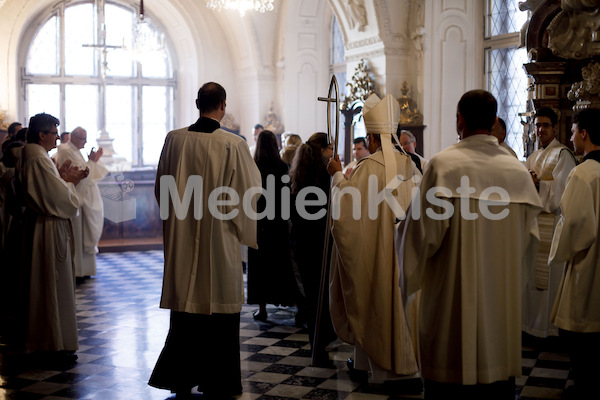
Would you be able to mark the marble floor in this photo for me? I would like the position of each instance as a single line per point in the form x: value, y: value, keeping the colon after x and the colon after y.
x: 122, y: 331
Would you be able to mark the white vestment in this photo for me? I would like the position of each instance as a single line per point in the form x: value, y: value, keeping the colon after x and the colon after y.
x: 468, y: 261
x: 203, y: 264
x: 365, y: 299
x: 51, y: 202
x: 552, y: 165
x: 424, y: 162
x: 87, y: 225
x: 576, y: 241
x: 510, y: 150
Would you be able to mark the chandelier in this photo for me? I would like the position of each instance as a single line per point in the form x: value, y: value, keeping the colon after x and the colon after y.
x: 146, y: 40
x: 240, y: 5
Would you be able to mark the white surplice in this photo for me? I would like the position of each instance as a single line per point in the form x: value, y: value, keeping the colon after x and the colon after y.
x: 576, y: 242
x: 510, y: 150
x: 51, y: 202
x: 468, y: 265
x: 552, y: 165
x: 203, y: 264
x: 88, y: 223
x: 365, y: 300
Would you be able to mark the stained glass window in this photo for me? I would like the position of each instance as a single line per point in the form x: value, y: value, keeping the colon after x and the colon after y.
x: 137, y: 102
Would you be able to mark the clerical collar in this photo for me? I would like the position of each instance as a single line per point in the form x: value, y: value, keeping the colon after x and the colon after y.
x: 544, y: 147
x: 592, y: 155
x: 204, y: 124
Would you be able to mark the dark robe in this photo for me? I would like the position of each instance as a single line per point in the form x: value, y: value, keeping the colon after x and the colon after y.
x: 309, y: 240
x: 270, y: 274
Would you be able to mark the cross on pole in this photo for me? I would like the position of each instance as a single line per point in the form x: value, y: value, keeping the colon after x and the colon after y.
x: 316, y: 344
x: 333, y: 87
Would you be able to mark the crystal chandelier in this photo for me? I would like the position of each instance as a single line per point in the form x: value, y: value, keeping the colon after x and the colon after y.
x: 240, y: 5
x: 147, y: 42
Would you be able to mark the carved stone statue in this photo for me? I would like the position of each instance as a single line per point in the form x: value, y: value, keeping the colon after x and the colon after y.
x: 357, y: 14
x: 418, y: 38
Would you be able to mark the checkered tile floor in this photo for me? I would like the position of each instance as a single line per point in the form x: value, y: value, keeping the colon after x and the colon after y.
x: 122, y: 331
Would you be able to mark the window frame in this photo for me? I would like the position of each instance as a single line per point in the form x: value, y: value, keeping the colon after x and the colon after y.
x: 496, y: 42
x: 136, y: 81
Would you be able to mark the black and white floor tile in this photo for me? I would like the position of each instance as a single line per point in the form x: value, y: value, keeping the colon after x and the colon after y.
x: 122, y: 331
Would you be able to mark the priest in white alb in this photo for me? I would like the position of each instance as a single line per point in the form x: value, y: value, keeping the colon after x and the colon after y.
x: 576, y: 241
x: 466, y: 243
x: 51, y: 200
x: 88, y: 223
x: 549, y: 167
x: 365, y: 300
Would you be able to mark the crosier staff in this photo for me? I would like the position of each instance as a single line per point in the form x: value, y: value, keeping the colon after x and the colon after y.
x: 333, y: 87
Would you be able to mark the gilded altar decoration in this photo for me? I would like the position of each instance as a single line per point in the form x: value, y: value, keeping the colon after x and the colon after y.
x: 3, y: 124
x: 229, y: 124
x: 360, y: 85
x: 586, y: 93
x: 409, y: 112
x: 574, y: 33
x: 272, y: 122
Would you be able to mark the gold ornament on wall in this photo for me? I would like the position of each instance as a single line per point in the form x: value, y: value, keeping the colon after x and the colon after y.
x: 272, y: 122
x: 3, y: 124
x: 586, y: 93
x: 360, y: 85
x: 409, y: 112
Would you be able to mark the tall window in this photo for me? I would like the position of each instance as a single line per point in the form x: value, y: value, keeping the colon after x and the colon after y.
x: 65, y: 75
x: 506, y: 78
x: 337, y: 67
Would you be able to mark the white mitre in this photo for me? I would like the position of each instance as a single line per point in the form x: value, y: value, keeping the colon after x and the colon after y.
x: 381, y: 117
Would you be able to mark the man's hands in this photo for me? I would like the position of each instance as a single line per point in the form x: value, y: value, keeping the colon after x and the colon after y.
x: 71, y: 173
x: 334, y: 165
x: 536, y: 180
x: 95, y: 155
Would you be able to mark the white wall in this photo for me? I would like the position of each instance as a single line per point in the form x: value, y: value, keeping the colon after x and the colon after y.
x: 306, y: 60
x: 453, y: 64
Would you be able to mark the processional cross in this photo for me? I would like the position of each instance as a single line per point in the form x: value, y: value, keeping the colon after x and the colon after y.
x: 104, y: 139
x: 333, y: 87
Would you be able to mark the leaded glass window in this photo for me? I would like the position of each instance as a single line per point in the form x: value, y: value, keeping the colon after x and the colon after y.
x: 503, y: 17
x: 505, y: 77
x: 64, y: 76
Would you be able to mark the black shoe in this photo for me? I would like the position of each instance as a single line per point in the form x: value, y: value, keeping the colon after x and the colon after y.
x: 572, y: 393
x: 413, y: 386
x: 260, y: 316
x: 221, y: 396
x: 356, y: 375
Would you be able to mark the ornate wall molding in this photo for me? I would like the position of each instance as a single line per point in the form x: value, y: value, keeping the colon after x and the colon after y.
x: 368, y: 55
x: 363, y: 43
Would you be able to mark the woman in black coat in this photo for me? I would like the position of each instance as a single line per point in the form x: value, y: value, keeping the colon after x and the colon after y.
x: 271, y: 277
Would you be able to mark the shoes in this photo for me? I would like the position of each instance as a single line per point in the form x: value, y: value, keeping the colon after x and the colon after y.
x: 413, y: 386
x: 260, y: 316
x: 573, y: 393
x: 322, y: 360
x: 220, y: 396
x: 356, y: 374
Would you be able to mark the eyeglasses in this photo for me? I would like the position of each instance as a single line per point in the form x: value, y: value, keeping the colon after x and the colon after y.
x: 543, y: 125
